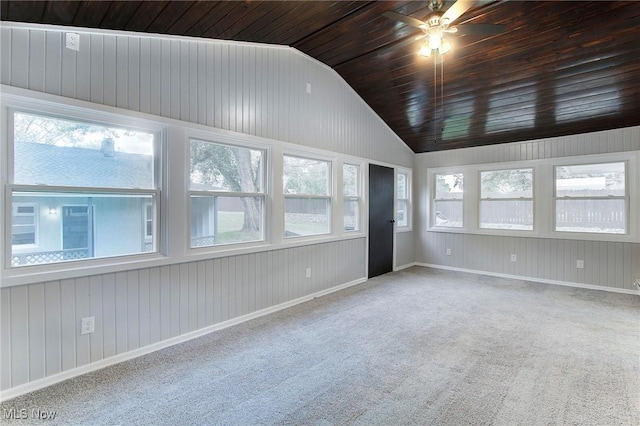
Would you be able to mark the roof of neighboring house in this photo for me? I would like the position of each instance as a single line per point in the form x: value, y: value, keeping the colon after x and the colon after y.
x: 37, y: 163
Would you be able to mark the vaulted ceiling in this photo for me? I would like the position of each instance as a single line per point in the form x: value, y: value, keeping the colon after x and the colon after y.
x: 559, y: 67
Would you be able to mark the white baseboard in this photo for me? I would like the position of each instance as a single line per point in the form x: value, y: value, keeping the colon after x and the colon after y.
x: 78, y: 371
x: 400, y: 268
x: 534, y: 279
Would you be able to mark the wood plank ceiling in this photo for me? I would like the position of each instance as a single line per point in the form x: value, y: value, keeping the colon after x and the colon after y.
x: 560, y: 67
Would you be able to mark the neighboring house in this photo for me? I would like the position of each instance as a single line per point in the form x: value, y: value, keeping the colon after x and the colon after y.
x: 68, y: 225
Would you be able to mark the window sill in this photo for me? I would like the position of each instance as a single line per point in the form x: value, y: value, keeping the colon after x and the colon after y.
x: 80, y: 268
x: 584, y: 236
x: 83, y: 268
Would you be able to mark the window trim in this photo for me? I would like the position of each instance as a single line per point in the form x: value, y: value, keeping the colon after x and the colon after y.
x: 67, y: 110
x: 330, y: 197
x: 544, y: 192
x: 408, y: 200
x: 213, y: 193
x: 532, y: 198
x: 434, y: 200
x: 626, y: 197
x: 358, y: 197
x: 171, y: 194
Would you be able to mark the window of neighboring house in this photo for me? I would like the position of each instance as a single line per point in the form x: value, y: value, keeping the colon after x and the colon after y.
x: 24, y: 225
x: 227, y: 192
x: 62, y: 162
x: 148, y: 226
x: 506, y: 199
x: 591, y: 198
x: 351, y: 196
x: 403, y: 205
x: 448, y: 200
x: 307, y: 196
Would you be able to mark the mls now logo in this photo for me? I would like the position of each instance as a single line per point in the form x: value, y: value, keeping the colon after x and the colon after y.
x: 23, y: 414
x: 14, y: 414
x: 37, y: 413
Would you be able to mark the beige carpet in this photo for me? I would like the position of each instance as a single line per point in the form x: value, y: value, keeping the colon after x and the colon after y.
x: 420, y: 346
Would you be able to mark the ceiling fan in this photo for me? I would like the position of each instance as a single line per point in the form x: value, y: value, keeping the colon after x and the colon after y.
x: 439, y: 24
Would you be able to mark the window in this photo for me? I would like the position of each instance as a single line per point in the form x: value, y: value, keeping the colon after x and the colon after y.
x: 23, y: 224
x: 88, y: 179
x: 307, y: 196
x: 351, y: 196
x: 148, y: 227
x: 506, y: 199
x: 591, y: 198
x: 587, y: 197
x: 227, y: 194
x: 403, y: 189
x: 448, y: 201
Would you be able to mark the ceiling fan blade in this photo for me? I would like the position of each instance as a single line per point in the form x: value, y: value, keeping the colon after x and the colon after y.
x: 480, y: 29
x: 457, y: 9
x: 409, y: 20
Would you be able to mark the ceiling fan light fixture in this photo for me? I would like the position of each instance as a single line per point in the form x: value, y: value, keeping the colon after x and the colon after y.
x: 445, y: 46
x: 425, y: 50
x: 435, y: 41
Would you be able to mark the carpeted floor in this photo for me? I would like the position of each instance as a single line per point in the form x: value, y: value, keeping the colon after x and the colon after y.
x: 420, y: 346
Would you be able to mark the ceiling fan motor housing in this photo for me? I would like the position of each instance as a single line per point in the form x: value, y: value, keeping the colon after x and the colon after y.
x: 435, y: 4
x: 434, y: 20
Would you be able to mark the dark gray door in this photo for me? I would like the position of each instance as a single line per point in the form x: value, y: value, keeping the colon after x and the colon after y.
x: 381, y: 220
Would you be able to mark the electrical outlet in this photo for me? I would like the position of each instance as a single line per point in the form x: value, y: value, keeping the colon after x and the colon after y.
x: 72, y: 41
x: 309, y: 88
x: 448, y: 252
x: 88, y: 325
x: 580, y: 264
x: 307, y: 273
x: 514, y: 258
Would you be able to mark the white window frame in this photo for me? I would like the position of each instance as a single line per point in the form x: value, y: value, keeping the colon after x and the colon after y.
x: 543, y: 197
x: 330, y: 197
x: 231, y: 194
x: 64, y: 110
x: 357, y: 197
x: 434, y: 200
x: 532, y: 198
x: 171, y: 227
x: 624, y: 197
x: 407, y: 200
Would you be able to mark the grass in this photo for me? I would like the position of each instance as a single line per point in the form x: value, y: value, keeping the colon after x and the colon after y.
x: 230, y: 228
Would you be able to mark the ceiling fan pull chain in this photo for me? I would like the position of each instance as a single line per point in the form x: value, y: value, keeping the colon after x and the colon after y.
x: 442, y: 96
x: 435, y: 101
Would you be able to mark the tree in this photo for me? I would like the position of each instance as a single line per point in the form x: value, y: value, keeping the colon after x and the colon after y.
x: 53, y: 131
x: 515, y: 182
x: 233, y: 169
x: 305, y: 176
x: 449, y: 186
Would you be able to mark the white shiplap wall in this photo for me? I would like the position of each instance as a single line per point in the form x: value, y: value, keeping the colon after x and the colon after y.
x: 40, y: 324
x: 405, y: 251
x: 606, y: 264
x: 247, y: 88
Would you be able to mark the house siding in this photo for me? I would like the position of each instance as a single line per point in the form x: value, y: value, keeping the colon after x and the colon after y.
x: 246, y: 88
x: 612, y: 265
